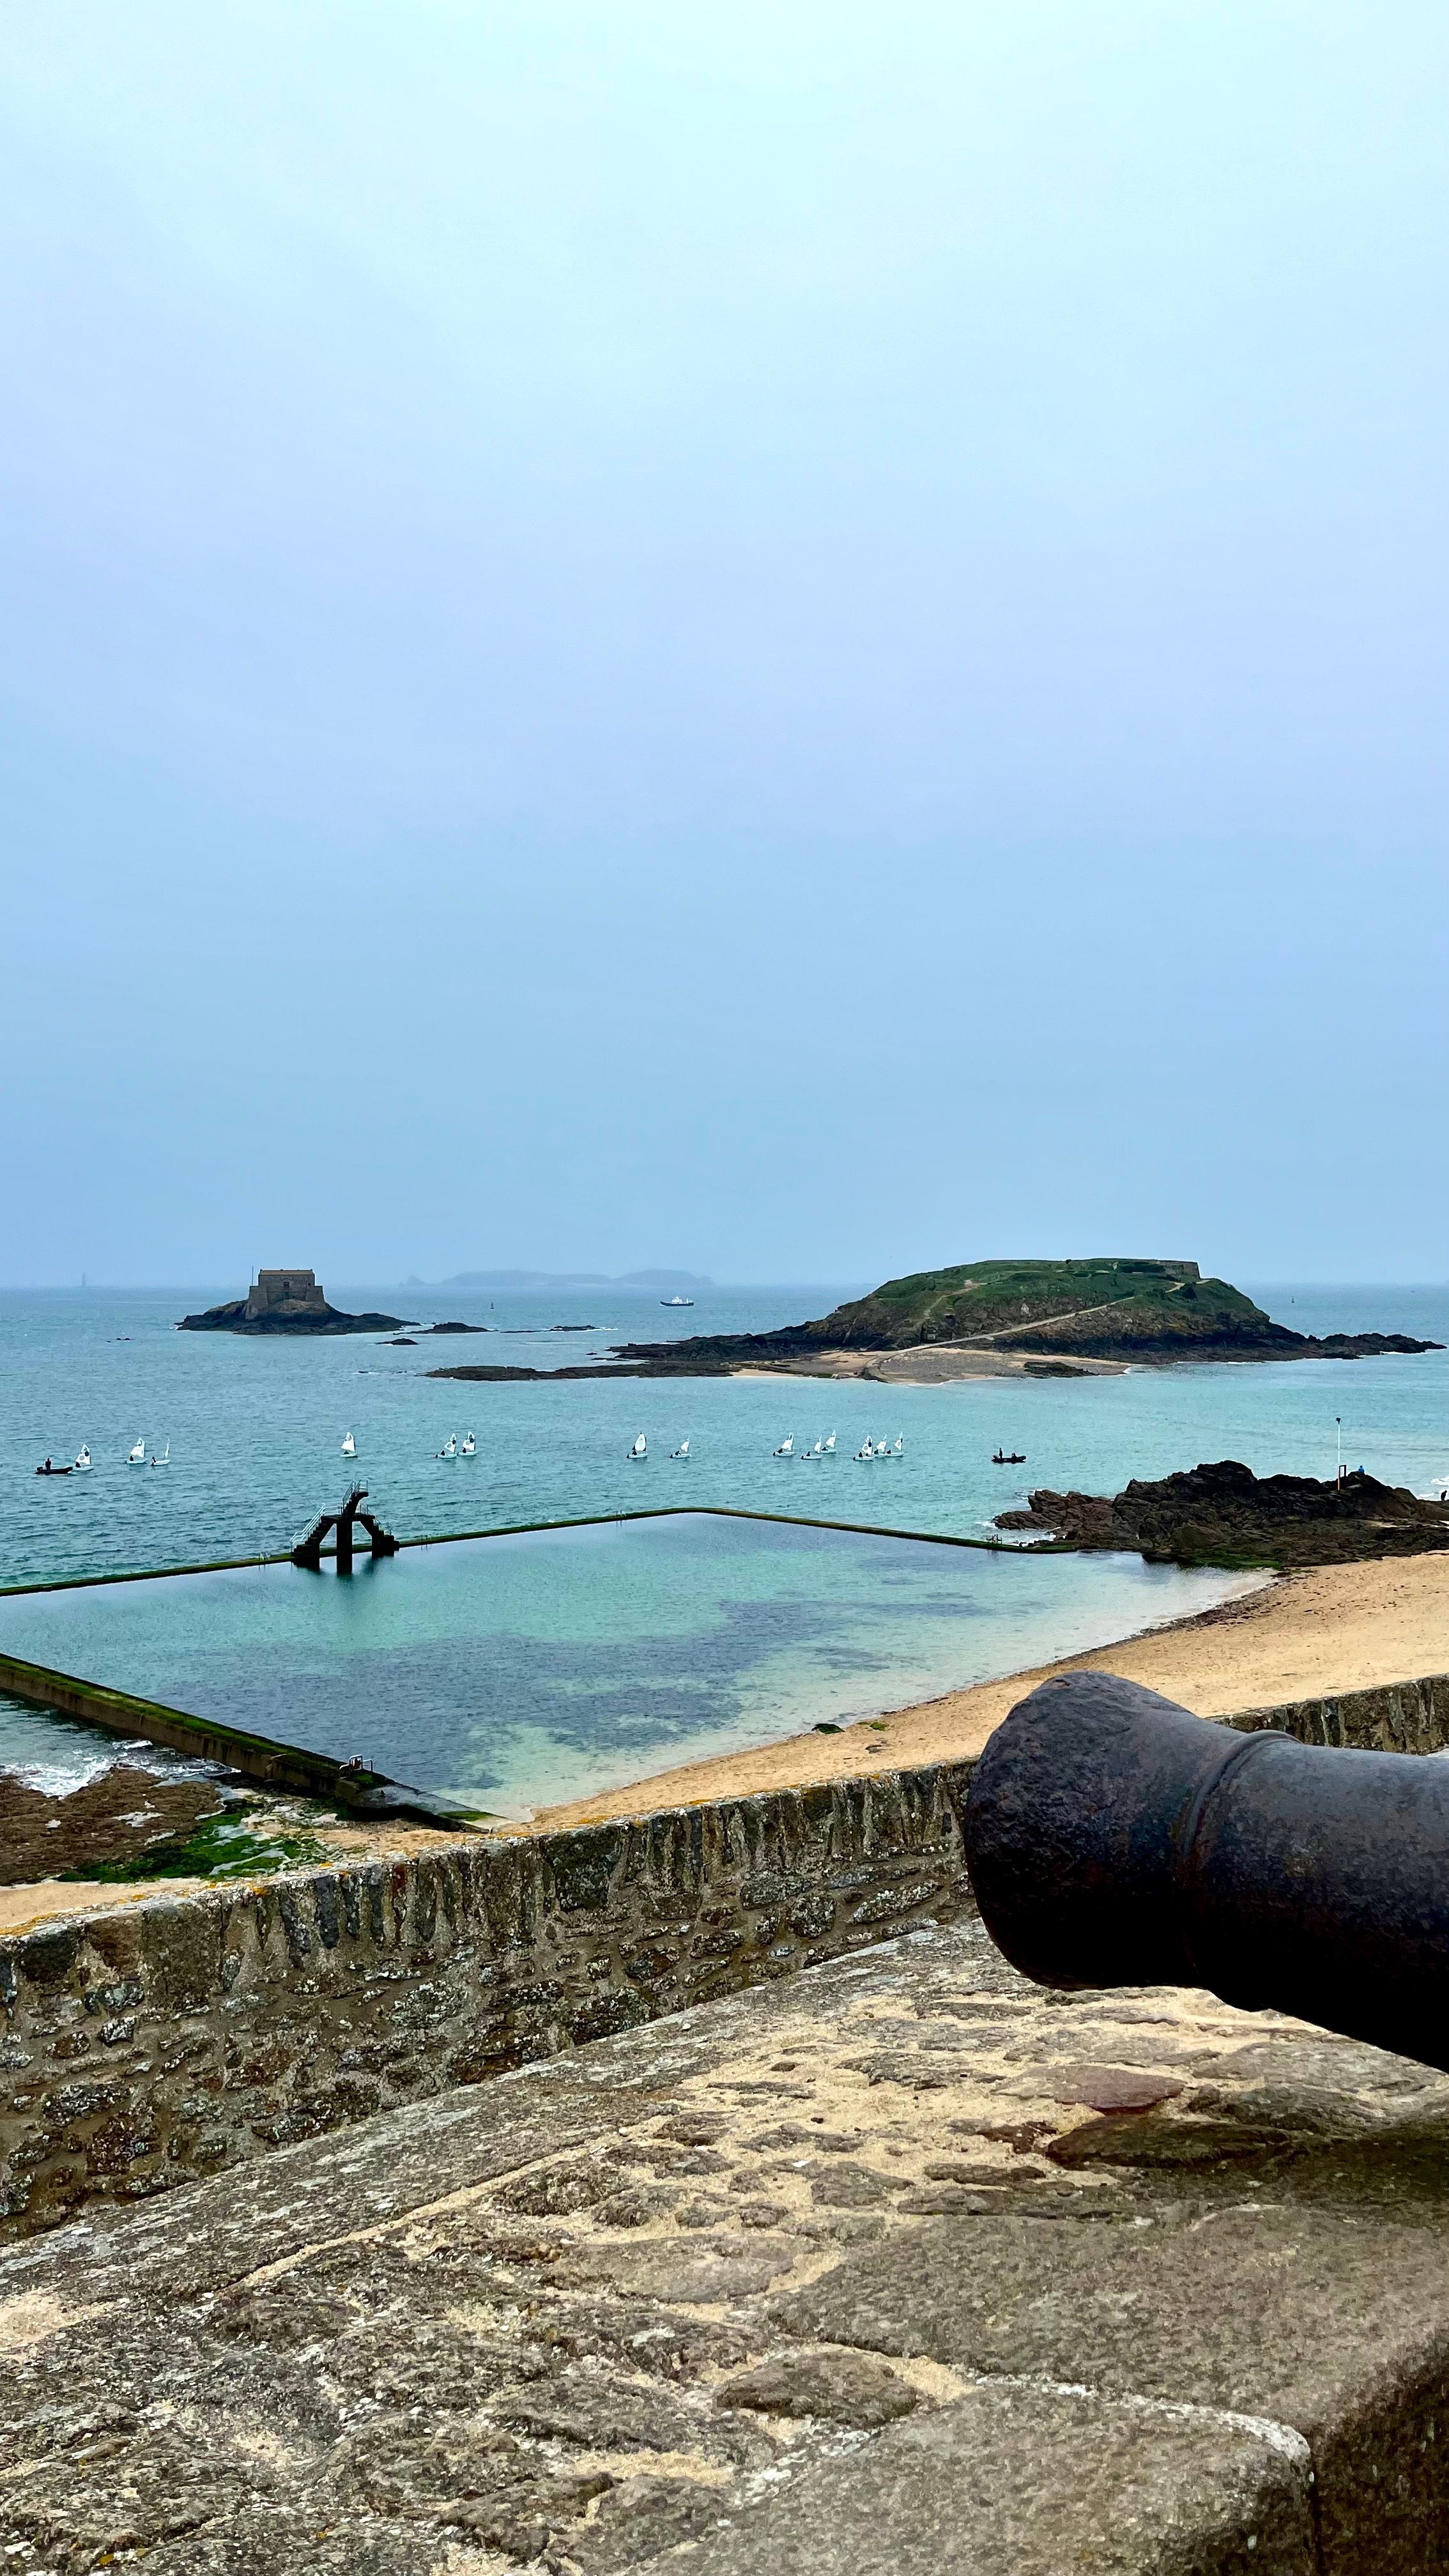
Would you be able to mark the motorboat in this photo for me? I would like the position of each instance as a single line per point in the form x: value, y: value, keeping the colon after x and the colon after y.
x: 470, y: 1446
x: 682, y: 1451
x: 48, y: 1470
x: 640, y: 1448
x: 349, y: 1446
x: 676, y: 1301
x: 786, y: 1448
x: 83, y: 1460
x: 1008, y: 1457
x: 136, y: 1457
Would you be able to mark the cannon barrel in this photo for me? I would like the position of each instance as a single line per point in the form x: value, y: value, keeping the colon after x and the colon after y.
x: 1115, y: 1839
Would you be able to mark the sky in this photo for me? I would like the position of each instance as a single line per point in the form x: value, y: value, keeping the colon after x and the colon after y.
x: 796, y: 641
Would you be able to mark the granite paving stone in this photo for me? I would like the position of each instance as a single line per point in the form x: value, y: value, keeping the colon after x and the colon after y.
x: 774, y: 2286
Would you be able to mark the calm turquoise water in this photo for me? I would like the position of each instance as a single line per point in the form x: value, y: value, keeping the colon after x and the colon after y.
x: 532, y: 1668
x: 255, y: 1430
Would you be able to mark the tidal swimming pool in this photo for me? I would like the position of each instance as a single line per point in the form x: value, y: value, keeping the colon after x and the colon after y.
x: 532, y: 1667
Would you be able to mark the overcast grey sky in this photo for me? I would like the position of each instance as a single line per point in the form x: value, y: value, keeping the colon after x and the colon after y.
x: 799, y: 640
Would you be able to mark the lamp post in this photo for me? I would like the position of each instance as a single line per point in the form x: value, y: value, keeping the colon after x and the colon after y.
x: 1338, y: 1479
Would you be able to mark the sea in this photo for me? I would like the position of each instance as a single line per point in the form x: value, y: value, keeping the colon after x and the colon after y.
x: 560, y: 1666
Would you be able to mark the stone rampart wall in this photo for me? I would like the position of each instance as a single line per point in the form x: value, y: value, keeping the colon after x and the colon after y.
x: 173, y: 2037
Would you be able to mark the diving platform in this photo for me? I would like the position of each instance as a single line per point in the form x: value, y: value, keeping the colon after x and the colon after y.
x: 349, y: 1512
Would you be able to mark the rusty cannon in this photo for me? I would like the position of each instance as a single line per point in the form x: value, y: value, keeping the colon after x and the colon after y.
x: 1115, y: 1839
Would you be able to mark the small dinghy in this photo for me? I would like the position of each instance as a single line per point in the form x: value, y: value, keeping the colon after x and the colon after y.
x: 470, y: 1446
x: 817, y: 1452
x: 786, y: 1448
x: 449, y: 1448
x: 640, y: 1448
x: 899, y: 1448
x: 83, y: 1460
x: 136, y: 1457
x: 164, y: 1459
x: 682, y: 1451
x: 48, y: 1470
x: 867, y: 1452
x: 349, y: 1446
x: 827, y: 1446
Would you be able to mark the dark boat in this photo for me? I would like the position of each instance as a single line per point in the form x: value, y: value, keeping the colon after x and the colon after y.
x: 48, y: 1470
x: 1008, y: 1457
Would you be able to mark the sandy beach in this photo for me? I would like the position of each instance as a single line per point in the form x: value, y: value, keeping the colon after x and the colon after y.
x: 1337, y: 1627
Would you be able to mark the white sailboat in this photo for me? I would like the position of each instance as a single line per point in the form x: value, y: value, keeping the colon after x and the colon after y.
x: 817, y: 1452
x: 470, y: 1446
x: 868, y: 1451
x: 787, y: 1447
x: 682, y: 1451
x: 449, y: 1448
x: 83, y: 1459
x: 349, y: 1446
x: 899, y: 1450
x: 136, y: 1457
x: 164, y: 1457
x: 640, y: 1448
x: 828, y: 1445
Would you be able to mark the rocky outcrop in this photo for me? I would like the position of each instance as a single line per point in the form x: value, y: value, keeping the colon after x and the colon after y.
x: 1225, y: 1515
x: 290, y: 1301
x: 1115, y: 1308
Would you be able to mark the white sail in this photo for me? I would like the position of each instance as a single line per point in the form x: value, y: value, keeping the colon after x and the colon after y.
x: 899, y: 1450
x: 83, y: 1458
x: 470, y: 1447
x: 449, y: 1448
x: 136, y: 1457
x: 787, y: 1446
x: 830, y: 1444
x: 164, y: 1459
x: 349, y: 1446
x: 640, y: 1448
x: 682, y: 1451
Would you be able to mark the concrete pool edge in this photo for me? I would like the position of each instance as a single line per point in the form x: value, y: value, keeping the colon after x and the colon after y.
x: 365, y: 1793
x: 539, y: 1529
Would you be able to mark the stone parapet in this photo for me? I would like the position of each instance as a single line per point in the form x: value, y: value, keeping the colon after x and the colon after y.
x: 163, y: 2041
x: 1398, y: 1717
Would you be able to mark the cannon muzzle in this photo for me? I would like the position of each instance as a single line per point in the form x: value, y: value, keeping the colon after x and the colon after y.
x: 1115, y: 1839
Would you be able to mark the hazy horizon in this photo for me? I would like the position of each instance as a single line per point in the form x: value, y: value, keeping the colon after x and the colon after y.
x: 812, y: 636
x: 577, y: 1280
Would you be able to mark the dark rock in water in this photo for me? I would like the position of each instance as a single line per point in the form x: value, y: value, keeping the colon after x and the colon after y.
x: 401, y: 1342
x: 1225, y: 1515
x: 457, y: 1328
x: 505, y: 1376
x: 290, y: 1301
